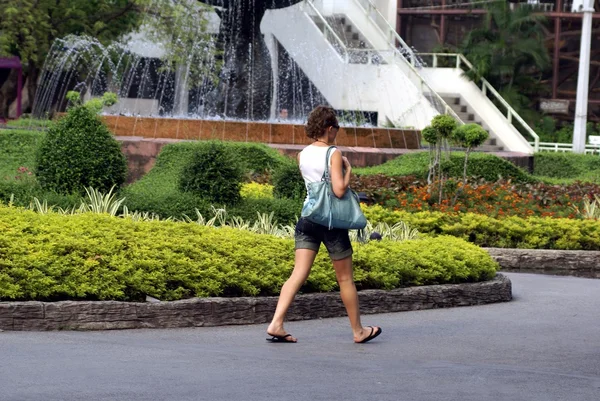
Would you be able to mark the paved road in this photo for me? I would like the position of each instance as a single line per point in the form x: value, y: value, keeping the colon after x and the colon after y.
x: 545, y: 345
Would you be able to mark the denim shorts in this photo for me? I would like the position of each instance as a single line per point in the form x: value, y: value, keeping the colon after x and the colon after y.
x: 309, y: 235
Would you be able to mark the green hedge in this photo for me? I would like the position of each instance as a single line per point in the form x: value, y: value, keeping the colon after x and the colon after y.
x: 508, y: 232
x: 567, y: 166
x: 480, y: 165
x: 98, y: 257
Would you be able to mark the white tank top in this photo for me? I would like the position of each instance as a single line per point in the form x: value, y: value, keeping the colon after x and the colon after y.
x: 312, y: 163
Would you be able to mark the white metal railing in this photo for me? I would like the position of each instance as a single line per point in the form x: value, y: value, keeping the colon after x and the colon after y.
x: 565, y: 147
x: 487, y: 88
x: 537, y: 6
x: 404, y: 55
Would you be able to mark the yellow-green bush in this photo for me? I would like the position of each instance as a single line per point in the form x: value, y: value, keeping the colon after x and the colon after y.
x: 89, y: 256
x: 256, y: 191
x: 508, y: 232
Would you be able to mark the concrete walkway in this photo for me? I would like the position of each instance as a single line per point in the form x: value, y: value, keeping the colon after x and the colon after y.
x: 544, y: 345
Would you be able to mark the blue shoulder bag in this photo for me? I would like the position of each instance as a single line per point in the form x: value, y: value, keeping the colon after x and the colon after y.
x: 325, y: 208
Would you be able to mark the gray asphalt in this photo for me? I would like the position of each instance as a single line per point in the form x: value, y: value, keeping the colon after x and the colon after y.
x: 544, y: 345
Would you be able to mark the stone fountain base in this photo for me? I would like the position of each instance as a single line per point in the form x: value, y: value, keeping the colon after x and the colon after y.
x: 268, y: 133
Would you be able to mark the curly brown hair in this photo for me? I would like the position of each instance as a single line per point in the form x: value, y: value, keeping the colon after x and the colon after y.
x: 321, y: 118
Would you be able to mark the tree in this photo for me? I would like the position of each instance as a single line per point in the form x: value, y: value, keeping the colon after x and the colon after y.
x: 509, y: 51
x: 469, y: 136
x: 29, y: 27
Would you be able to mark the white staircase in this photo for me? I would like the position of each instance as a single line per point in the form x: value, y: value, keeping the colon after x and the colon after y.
x: 358, y: 62
x: 350, y: 70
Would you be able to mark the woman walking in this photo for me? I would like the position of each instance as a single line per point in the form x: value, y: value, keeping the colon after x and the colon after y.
x: 322, y: 127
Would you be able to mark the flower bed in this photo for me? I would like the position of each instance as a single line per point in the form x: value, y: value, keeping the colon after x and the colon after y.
x: 496, y: 199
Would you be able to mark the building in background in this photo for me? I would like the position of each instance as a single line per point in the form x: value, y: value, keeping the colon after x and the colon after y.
x: 429, y: 25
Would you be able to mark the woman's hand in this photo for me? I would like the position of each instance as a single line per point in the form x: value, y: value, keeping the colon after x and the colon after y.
x: 340, y: 179
x: 347, y: 166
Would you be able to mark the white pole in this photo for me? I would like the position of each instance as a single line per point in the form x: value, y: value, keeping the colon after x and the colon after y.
x: 583, y: 80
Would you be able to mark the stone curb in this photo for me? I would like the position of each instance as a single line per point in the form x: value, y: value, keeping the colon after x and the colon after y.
x: 199, y: 312
x: 546, y: 259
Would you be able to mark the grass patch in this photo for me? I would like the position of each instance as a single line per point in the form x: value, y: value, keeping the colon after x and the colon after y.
x: 17, y: 149
x: 28, y: 123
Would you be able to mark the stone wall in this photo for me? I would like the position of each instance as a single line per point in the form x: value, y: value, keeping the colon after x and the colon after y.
x: 546, y: 259
x: 197, y: 312
x: 269, y: 133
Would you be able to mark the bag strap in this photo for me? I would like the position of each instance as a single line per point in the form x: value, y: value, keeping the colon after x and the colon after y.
x: 326, y: 176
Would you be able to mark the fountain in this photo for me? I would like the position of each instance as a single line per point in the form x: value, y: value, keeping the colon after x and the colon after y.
x: 266, y: 85
x: 245, y: 85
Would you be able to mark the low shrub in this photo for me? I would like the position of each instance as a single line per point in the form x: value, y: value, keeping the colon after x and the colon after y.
x: 256, y: 190
x: 98, y: 257
x: 481, y: 165
x: 285, y: 211
x: 213, y: 174
x: 165, y: 205
x: 567, y: 166
x: 288, y: 182
x: 257, y: 158
x: 508, y: 232
x: 79, y: 151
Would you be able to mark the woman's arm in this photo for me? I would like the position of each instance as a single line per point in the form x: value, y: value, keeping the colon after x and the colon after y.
x: 340, y: 180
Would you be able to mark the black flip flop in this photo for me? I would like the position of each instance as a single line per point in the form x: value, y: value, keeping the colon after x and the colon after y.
x: 372, y: 335
x: 280, y: 339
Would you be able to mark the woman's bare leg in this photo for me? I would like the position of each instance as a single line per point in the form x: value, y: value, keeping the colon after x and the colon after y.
x: 303, y: 263
x: 344, y: 275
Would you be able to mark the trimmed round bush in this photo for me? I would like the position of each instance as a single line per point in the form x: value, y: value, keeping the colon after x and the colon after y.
x: 444, y: 125
x: 213, y: 173
x: 79, y: 151
x: 470, y: 135
x: 257, y: 158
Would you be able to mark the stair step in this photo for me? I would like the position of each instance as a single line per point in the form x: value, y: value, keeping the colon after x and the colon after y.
x: 451, y: 100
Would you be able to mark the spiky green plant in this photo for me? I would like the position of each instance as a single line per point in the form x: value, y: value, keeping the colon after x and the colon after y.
x: 100, y: 203
x: 591, y: 208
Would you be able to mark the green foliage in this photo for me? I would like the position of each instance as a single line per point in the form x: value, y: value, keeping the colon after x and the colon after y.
x: 158, y: 191
x: 288, y: 182
x: 17, y: 149
x: 79, y: 151
x: 483, y: 165
x: 444, y: 125
x: 285, y: 211
x: 430, y: 135
x: 469, y: 135
x: 550, y: 130
x: 98, y: 257
x: 28, y: 123
x: 567, y: 165
x: 28, y: 28
x: 181, y: 26
x: 508, y: 232
x: 256, y: 190
x: 257, y: 158
x: 213, y: 174
x: 509, y: 51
